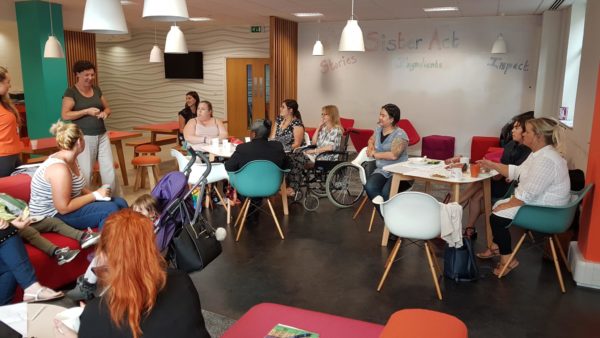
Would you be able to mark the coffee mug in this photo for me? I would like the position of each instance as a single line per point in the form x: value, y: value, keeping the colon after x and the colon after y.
x: 475, y: 169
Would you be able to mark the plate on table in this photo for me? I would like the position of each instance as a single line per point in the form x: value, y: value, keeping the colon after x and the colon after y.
x: 418, y: 160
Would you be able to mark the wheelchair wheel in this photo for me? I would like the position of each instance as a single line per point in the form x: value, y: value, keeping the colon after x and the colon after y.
x: 343, y: 185
x: 311, y: 202
x: 318, y: 188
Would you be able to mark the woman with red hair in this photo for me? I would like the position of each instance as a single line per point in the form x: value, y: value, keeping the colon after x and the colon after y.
x: 141, y: 296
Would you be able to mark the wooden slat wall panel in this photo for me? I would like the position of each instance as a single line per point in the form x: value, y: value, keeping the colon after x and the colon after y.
x: 284, y: 62
x: 79, y: 46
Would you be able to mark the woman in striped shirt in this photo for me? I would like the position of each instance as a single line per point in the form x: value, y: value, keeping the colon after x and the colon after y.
x: 58, y: 186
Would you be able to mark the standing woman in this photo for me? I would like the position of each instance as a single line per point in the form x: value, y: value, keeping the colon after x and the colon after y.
x: 289, y: 129
x: 10, y: 143
x: 85, y: 105
x: 204, y: 127
x: 192, y: 100
x: 388, y: 145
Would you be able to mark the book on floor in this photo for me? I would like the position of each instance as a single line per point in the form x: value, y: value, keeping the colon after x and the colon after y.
x: 284, y: 331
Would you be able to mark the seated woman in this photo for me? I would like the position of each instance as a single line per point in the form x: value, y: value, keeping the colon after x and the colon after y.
x: 140, y: 295
x: 15, y: 267
x: 328, y: 135
x: 204, y: 127
x: 515, y: 152
x: 388, y: 145
x: 58, y: 186
x: 543, y: 180
x: 192, y: 100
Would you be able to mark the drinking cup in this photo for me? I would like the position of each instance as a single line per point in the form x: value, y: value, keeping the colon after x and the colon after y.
x: 475, y: 168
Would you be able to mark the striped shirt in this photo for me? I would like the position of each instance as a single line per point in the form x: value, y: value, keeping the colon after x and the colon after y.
x: 41, y: 203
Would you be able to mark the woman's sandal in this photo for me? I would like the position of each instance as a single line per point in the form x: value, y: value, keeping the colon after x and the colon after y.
x: 489, y: 253
x: 510, y: 268
x: 38, y: 297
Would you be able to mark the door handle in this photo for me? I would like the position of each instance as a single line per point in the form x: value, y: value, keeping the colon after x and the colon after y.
x: 261, y: 89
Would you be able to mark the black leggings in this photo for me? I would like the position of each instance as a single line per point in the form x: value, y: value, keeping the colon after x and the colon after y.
x: 8, y: 164
x: 501, y: 233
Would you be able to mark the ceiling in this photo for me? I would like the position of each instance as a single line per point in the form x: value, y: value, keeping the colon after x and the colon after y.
x: 257, y: 12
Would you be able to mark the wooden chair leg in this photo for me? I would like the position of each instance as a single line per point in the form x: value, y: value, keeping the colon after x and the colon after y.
x: 372, y: 218
x: 512, y: 256
x: 143, y: 177
x: 239, y: 233
x: 152, y: 178
x: 557, y: 266
x: 434, y: 274
x: 275, y: 219
x: 562, y: 253
x: 360, y: 207
x: 138, y: 179
x: 239, y: 217
x: 435, y: 261
x: 530, y: 233
x: 388, y: 264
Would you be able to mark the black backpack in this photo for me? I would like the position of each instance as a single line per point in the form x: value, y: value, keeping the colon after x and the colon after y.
x: 460, y: 264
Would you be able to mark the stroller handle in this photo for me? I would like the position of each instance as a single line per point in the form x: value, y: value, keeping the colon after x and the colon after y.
x: 195, y: 154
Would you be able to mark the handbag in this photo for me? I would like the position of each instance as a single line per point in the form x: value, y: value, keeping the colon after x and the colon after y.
x: 460, y: 264
x: 193, y: 246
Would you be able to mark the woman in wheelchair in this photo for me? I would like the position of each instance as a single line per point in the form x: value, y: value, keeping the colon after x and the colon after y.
x: 543, y: 180
x: 388, y: 145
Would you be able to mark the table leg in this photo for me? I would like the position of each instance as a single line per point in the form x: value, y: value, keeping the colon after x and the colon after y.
x: 284, y: 201
x: 152, y: 137
x: 456, y: 192
x: 119, y: 146
x: 393, y: 191
x: 487, y: 202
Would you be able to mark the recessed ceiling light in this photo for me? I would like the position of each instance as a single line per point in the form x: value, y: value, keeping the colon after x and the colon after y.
x: 127, y: 2
x: 441, y: 9
x: 307, y: 15
x: 200, y: 18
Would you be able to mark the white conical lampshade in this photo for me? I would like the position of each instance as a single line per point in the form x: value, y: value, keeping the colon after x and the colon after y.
x: 104, y: 17
x: 53, y: 49
x: 499, y: 46
x: 175, y: 43
x: 163, y: 10
x: 318, y: 48
x: 352, y: 38
x: 156, y: 54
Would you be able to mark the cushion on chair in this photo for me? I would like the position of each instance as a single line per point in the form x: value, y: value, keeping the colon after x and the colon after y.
x: 438, y: 147
x: 310, y: 131
x: 480, y: 146
x: 411, y: 132
x: 146, y: 160
x: 147, y: 148
x: 494, y: 154
x: 346, y: 123
x: 423, y: 323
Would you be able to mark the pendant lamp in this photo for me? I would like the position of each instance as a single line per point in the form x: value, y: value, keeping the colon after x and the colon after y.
x: 156, y: 54
x: 318, y: 47
x: 163, y: 10
x: 53, y: 48
x: 352, y: 36
x: 175, y: 43
x: 499, y: 46
x: 104, y: 17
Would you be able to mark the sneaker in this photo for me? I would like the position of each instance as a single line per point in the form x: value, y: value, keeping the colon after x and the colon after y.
x: 65, y: 255
x: 83, y: 290
x: 89, y: 238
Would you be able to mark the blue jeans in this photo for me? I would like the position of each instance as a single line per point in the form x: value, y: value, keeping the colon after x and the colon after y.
x: 378, y: 185
x: 92, y: 215
x: 14, y: 268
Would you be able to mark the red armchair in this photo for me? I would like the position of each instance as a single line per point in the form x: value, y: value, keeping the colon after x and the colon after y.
x: 411, y: 132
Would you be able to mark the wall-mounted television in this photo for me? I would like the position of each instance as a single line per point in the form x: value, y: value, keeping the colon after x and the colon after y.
x: 184, y: 66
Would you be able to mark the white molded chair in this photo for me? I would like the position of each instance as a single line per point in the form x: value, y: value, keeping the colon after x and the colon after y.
x: 307, y: 139
x: 413, y: 215
x: 217, y: 173
x: 357, y: 162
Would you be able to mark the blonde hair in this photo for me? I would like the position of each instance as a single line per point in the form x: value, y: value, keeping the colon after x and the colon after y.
x: 550, y: 130
x: 67, y: 134
x: 5, y: 99
x: 334, y: 115
x: 146, y: 203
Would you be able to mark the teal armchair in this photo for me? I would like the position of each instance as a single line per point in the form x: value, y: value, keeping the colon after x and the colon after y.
x: 550, y: 221
x: 256, y: 179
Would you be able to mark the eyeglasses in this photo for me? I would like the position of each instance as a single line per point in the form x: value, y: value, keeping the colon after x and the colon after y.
x: 324, y: 114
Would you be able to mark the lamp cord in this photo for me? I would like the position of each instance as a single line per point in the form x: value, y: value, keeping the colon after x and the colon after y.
x: 51, y: 26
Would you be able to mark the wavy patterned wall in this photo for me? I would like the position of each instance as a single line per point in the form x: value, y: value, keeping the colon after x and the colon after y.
x: 137, y: 90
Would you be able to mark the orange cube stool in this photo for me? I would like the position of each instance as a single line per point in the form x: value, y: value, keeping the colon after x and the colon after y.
x: 424, y: 324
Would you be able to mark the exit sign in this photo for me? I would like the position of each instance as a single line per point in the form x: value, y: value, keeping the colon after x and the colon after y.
x: 255, y: 29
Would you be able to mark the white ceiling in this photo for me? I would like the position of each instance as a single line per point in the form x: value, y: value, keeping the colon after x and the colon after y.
x: 257, y: 12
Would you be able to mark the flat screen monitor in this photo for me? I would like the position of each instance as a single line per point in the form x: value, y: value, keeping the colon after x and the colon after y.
x: 184, y: 66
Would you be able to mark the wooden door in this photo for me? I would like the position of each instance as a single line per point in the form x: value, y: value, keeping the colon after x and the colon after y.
x: 248, y: 93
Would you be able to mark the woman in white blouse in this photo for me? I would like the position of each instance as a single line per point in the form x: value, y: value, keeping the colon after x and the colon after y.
x: 543, y: 180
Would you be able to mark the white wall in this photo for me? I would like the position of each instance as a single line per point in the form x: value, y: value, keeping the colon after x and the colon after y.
x: 138, y: 91
x: 448, y: 85
x: 9, y: 53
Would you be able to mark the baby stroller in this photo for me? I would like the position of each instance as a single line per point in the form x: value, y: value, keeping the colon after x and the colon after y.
x: 188, y: 240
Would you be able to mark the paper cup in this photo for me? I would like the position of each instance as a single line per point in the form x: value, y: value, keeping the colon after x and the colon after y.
x: 475, y: 170
x: 246, y: 139
x: 215, y: 142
